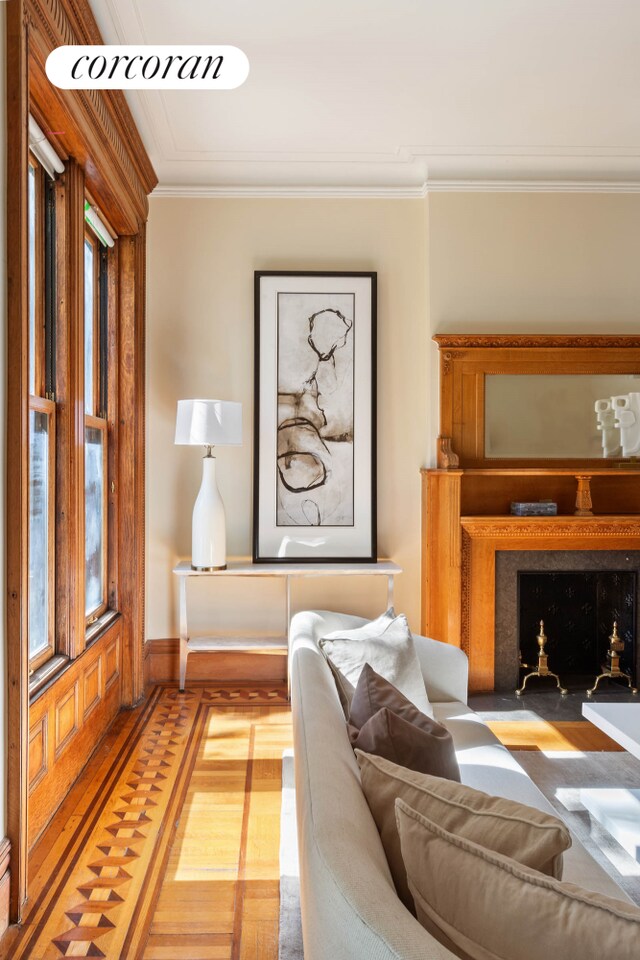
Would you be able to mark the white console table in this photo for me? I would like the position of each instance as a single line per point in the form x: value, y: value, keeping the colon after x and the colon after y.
x: 286, y: 572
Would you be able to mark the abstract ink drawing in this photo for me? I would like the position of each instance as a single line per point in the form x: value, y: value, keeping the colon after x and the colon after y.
x: 315, y: 410
x: 314, y: 489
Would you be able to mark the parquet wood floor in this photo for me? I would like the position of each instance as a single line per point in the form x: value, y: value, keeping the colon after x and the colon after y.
x: 563, y: 735
x: 167, y: 848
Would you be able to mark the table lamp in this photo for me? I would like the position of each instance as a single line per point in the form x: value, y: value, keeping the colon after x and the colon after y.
x: 209, y: 423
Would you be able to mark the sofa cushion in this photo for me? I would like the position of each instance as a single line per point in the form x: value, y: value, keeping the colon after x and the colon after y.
x: 387, y: 645
x: 486, y: 906
x: 425, y: 746
x: 531, y: 837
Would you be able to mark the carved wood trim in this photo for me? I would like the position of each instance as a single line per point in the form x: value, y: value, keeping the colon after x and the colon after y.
x: 547, y: 527
x: 465, y: 601
x: 120, y: 171
x: 466, y: 341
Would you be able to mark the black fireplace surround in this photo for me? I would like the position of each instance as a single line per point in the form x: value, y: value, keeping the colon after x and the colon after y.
x: 578, y: 594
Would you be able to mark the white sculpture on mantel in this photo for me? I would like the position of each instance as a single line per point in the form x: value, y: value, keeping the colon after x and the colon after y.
x: 611, y: 446
x: 627, y: 411
x: 619, y: 421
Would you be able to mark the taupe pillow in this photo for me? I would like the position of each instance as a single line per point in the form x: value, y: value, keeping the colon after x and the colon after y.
x: 373, y: 693
x: 427, y: 747
x: 386, y: 644
x: 530, y: 836
x: 484, y: 906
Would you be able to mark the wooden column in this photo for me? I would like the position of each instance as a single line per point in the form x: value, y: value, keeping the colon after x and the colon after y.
x: 17, y: 505
x: 131, y: 425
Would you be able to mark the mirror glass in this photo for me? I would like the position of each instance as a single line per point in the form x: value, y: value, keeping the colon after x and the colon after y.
x: 547, y: 416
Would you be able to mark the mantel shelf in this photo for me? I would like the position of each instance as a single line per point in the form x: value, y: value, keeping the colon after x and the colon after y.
x: 621, y: 470
x: 559, y: 518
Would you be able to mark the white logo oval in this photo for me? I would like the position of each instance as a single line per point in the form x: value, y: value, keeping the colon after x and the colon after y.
x: 147, y: 67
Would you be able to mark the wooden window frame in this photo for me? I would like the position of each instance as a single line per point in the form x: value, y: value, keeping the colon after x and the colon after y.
x: 98, y: 141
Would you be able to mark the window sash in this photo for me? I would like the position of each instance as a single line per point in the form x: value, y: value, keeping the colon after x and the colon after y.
x: 39, y: 405
x: 91, y: 324
x: 36, y: 276
x: 94, y: 609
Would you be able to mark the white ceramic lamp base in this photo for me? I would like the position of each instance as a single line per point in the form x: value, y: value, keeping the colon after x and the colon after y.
x: 208, y: 532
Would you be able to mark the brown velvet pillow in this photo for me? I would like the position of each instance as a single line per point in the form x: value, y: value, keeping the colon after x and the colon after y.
x: 419, y: 744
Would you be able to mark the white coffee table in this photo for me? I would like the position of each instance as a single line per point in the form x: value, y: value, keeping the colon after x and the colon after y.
x: 617, y: 809
x: 620, y: 721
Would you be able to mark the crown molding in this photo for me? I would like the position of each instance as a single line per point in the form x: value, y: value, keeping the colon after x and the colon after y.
x: 309, y: 192
x: 204, y: 191
x: 532, y: 186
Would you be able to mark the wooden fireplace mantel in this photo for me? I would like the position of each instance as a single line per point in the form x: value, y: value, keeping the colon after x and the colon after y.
x: 459, y: 562
x: 466, y: 502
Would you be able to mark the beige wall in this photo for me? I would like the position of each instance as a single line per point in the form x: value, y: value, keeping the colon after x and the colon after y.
x: 202, y: 254
x: 3, y: 334
x: 534, y: 263
x: 465, y: 262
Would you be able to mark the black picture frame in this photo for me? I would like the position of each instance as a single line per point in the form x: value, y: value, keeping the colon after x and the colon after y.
x: 338, y: 311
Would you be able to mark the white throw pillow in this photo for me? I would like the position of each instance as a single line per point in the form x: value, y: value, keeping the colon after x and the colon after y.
x: 387, y: 645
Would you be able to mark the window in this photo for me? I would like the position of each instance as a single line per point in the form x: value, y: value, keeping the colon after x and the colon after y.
x: 95, y: 426
x: 84, y: 366
x: 41, y: 542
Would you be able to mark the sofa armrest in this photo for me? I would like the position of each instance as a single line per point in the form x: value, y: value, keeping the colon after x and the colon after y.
x: 445, y: 669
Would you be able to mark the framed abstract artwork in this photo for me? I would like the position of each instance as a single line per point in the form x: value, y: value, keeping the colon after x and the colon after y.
x: 314, y: 485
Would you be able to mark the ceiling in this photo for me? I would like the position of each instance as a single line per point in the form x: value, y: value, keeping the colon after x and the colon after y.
x: 395, y: 97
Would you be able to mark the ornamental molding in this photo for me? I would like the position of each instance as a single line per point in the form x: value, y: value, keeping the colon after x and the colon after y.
x: 514, y: 341
x: 543, y: 529
x: 71, y: 22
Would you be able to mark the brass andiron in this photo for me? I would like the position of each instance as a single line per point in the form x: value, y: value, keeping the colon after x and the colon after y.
x: 542, y: 670
x: 613, y: 671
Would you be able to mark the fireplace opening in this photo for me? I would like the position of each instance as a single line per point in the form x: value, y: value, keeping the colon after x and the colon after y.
x: 579, y: 609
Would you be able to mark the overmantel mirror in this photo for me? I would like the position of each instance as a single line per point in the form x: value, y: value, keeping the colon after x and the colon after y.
x: 535, y: 401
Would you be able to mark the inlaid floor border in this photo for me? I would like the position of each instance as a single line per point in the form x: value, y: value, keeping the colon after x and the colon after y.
x: 112, y: 904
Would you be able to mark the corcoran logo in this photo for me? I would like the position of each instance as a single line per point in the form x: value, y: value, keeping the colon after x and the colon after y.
x: 147, y: 67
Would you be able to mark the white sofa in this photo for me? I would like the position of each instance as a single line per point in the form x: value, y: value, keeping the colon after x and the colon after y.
x: 349, y: 905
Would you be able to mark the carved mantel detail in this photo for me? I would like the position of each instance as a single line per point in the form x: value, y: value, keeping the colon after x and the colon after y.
x: 548, y: 527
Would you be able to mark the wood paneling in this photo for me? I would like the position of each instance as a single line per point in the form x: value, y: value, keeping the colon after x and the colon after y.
x: 92, y: 687
x: 38, y: 751
x: 163, y: 660
x: 112, y: 662
x: 66, y: 719
x: 76, y: 710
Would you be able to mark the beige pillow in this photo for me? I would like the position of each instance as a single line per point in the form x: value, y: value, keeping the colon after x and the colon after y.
x: 386, y: 644
x: 532, y: 837
x: 485, y: 906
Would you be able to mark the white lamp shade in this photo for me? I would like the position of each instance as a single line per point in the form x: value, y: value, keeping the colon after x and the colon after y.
x: 209, y: 423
